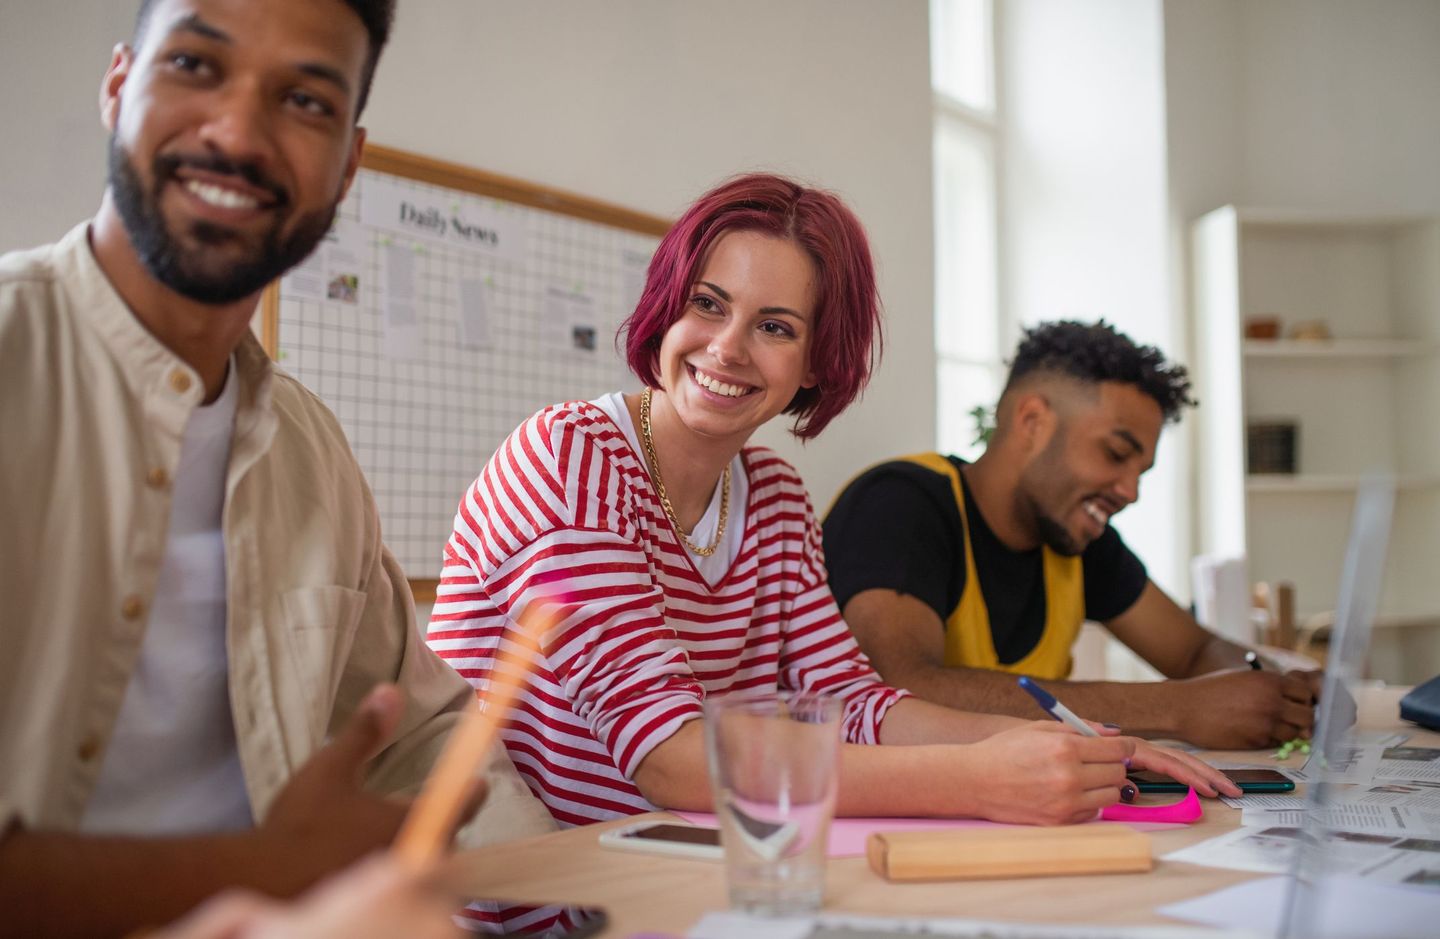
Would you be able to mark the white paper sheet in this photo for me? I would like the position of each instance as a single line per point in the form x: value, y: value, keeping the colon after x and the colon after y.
x: 1351, y: 816
x: 474, y: 314
x: 1262, y: 800
x: 1415, y: 793
x: 1354, y: 909
x: 402, y: 326
x: 333, y: 271
x: 571, y: 321
x: 1356, y: 762
x: 1364, y: 750
x: 1409, y: 763
x: 1261, y: 850
x: 835, y: 926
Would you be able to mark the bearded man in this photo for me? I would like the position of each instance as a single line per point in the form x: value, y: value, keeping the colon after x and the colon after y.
x: 210, y: 672
x: 956, y: 577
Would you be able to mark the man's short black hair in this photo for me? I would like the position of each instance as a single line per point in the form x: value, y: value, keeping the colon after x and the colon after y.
x: 1098, y: 352
x: 377, y: 15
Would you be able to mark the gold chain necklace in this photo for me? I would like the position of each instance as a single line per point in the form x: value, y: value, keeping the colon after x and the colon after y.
x: 704, y: 552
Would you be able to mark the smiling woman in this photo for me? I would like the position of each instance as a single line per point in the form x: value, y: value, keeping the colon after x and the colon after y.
x: 682, y: 562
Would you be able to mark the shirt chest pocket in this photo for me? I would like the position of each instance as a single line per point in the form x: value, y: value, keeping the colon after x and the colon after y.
x: 319, y: 630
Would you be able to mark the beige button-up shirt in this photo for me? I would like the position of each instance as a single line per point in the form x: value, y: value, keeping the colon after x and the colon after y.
x: 92, y: 411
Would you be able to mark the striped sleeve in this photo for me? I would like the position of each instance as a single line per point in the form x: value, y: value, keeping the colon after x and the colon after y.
x: 547, y: 522
x: 820, y: 654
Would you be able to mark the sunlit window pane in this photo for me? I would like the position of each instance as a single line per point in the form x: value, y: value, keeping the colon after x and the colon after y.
x: 961, y: 43
x: 966, y: 313
x: 962, y: 387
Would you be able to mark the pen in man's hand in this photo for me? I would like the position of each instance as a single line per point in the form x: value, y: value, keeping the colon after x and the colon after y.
x: 1253, y: 660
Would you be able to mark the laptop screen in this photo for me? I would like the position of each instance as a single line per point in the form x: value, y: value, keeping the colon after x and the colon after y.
x: 1361, y: 579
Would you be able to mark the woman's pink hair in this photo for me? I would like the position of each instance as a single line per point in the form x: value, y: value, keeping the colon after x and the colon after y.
x: 846, y: 340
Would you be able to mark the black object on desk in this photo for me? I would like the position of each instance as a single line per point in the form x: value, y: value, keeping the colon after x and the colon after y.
x: 1422, y: 704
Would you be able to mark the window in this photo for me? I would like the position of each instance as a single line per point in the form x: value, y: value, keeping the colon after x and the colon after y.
x: 967, y: 307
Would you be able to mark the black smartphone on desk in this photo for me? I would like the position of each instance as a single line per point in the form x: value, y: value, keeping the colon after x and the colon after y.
x: 1249, y: 780
x: 529, y: 921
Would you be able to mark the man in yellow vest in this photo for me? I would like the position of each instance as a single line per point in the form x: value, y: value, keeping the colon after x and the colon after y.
x: 956, y: 577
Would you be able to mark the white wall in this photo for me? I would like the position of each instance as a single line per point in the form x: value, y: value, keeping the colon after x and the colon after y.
x: 52, y: 164
x: 1084, y: 208
x: 640, y: 102
x: 1340, y: 106
x: 1324, y: 104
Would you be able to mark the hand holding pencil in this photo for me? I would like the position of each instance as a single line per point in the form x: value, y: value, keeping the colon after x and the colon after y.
x: 433, y: 817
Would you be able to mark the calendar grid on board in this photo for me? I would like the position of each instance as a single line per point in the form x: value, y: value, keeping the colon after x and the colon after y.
x: 422, y: 424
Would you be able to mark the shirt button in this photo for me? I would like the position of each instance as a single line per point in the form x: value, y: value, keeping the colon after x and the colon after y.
x: 132, y: 607
x: 88, y: 748
x: 179, y: 381
x: 157, y: 478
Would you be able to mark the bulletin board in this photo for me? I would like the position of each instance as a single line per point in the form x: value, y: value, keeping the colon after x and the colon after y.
x: 446, y: 306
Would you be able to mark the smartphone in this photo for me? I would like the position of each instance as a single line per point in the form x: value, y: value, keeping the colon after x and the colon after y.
x: 553, y: 921
x: 692, y: 841
x: 1249, y: 780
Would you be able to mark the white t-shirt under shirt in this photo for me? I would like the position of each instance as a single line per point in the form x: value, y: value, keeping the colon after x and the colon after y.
x: 711, y: 568
x: 172, y: 765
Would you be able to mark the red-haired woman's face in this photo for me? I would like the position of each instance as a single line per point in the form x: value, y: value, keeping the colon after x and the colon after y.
x: 741, y: 350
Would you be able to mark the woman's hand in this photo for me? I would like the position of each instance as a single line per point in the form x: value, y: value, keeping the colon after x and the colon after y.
x: 1044, y: 773
x: 1183, y: 768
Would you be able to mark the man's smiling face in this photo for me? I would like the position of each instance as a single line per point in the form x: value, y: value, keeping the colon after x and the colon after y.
x: 233, y: 138
x: 1090, y: 468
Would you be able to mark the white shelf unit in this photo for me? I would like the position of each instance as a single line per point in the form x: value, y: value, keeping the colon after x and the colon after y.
x: 1337, y: 349
x: 1278, y: 483
x: 1366, y: 399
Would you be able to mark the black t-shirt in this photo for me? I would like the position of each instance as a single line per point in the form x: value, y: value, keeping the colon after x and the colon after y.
x: 896, y: 527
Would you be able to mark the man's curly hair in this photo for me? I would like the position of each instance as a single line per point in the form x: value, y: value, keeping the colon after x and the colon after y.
x: 1098, y: 352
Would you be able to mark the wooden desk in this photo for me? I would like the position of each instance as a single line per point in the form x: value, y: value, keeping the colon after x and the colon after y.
x: 646, y: 893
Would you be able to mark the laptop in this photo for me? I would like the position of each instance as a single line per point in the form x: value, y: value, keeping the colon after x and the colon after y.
x: 1312, y: 885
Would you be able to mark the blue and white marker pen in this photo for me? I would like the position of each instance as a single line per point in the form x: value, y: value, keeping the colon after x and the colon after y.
x: 1063, y: 714
x: 1054, y: 708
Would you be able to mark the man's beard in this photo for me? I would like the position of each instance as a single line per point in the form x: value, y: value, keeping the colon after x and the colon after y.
x: 1057, y: 538
x: 196, y: 270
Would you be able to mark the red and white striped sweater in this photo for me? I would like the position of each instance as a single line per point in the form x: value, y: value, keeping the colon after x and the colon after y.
x: 565, y: 508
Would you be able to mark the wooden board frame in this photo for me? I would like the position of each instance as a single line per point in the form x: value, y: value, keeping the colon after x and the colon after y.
x: 478, y: 182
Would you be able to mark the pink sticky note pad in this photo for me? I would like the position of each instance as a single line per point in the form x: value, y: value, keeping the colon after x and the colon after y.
x: 848, y: 835
x: 1185, y: 811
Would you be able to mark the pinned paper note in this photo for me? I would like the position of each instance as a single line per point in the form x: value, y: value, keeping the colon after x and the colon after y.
x: 475, y: 314
x: 571, y: 321
x: 402, y: 326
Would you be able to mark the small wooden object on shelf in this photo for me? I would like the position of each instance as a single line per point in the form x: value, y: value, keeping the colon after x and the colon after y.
x: 1262, y: 326
x: 1285, y: 635
x: 1311, y: 331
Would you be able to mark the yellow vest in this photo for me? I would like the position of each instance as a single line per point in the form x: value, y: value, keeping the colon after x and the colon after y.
x: 968, y: 640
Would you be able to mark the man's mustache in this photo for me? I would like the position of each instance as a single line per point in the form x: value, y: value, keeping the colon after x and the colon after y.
x: 166, y: 166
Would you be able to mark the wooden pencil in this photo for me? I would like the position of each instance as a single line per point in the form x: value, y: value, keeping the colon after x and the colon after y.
x: 431, y: 820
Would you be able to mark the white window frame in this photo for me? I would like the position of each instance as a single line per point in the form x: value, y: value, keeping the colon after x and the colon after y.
x: 986, y: 356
